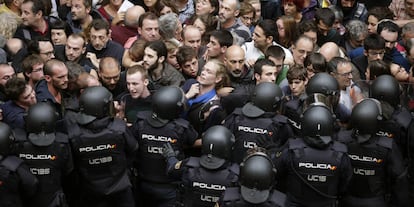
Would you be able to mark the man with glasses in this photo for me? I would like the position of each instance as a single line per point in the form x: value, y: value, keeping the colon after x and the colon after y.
x: 111, y: 77
x: 374, y: 49
x: 301, y: 48
x: 341, y: 70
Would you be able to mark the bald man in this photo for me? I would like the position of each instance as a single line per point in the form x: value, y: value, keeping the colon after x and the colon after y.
x: 236, y: 68
x: 330, y: 50
x: 128, y: 28
x: 192, y: 37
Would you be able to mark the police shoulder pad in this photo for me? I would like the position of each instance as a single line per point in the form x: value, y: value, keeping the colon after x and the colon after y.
x: 278, y: 198
x: 62, y: 137
x: 403, y: 118
x: 118, y: 125
x: 11, y: 163
x: 238, y: 111
x: 297, y: 143
x: 20, y: 135
x: 281, y: 119
x: 339, y: 147
x: 142, y: 115
x: 193, y: 162
x: 385, y: 142
x: 231, y: 194
x: 235, y: 168
x: 182, y: 122
x: 252, y: 111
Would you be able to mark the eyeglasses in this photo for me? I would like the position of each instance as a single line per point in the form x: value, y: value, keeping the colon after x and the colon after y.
x: 345, y: 74
x: 50, y: 53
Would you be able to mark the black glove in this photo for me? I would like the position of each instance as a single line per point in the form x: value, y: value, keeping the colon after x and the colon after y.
x: 168, y: 151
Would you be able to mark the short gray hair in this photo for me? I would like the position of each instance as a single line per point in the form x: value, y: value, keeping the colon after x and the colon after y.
x: 356, y: 28
x: 168, y: 25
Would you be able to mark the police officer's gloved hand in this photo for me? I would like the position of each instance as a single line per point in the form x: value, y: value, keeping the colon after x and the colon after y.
x: 168, y: 151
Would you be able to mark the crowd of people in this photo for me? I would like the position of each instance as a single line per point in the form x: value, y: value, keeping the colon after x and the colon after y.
x: 206, y: 103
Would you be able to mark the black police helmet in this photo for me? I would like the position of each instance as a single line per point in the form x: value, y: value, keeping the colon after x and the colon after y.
x: 322, y: 83
x: 167, y: 104
x: 318, y: 122
x: 41, y: 117
x: 366, y: 115
x: 257, y: 175
x: 6, y: 139
x: 386, y: 88
x: 95, y: 102
x: 41, y: 123
x: 217, y: 145
x: 267, y: 96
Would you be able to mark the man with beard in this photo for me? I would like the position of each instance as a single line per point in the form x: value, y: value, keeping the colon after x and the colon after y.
x: 160, y: 72
x: 236, y: 67
x: 137, y: 98
x: 81, y: 15
x: 50, y: 88
x: 100, y: 44
x: 390, y: 32
x: 74, y: 51
x: 353, y: 10
x: 111, y: 76
x: 265, y: 34
x: 6, y: 73
x: 229, y: 10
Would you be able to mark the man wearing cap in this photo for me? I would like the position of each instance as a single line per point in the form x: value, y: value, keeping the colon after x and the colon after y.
x: 205, y: 178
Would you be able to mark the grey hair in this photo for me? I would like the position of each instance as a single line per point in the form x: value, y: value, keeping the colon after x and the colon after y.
x: 356, y: 28
x: 409, y: 27
x: 168, y: 25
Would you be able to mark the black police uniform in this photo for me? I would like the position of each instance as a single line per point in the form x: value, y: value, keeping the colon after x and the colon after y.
x: 315, y: 175
x: 17, y: 184
x: 103, y: 150
x: 50, y: 162
x: 233, y: 198
x: 252, y: 129
x: 376, y: 163
x: 201, y: 187
x: 156, y: 188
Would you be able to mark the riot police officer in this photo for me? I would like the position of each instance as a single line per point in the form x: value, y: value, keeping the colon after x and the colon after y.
x: 257, y: 178
x: 376, y: 160
x: 316, y: 168
x: 397, y: 122
x: 205, y: 178
x: 153, y: 129
x: 103, y: 151
x: 321, y: 88
x: 17, y: 183
x: 46, y: 152
x: 257, y: 121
